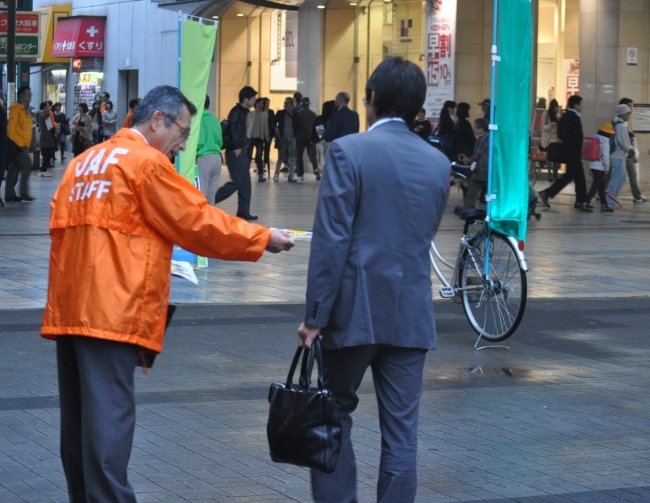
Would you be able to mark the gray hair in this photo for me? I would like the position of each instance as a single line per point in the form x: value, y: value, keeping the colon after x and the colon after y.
x: 482, y: 123
x: 166, y: 99
x: 344, y: 97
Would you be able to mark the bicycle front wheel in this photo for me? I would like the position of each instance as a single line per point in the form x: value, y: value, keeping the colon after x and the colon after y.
x: 495, y: 305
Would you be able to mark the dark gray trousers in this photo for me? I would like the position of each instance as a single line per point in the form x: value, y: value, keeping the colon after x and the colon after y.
x: 97, y: 400
x: 239, y: 169
x: 22, y: 164
x: 397, y: 375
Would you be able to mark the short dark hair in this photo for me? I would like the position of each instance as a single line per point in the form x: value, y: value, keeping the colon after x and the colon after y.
x: 482, y: 123
x: 49, y: 102
x: 462, y: 110
x: 206, y: 103
x: 399, y: 87
x: 109, y: 102
x: 297, y: 96
x: 166, y: 99
x: 57, y: 104
x: 42, y: 105
x: 574, y: 100
x: 134, y: 103
x: 22, y: 90
x: 246, y: 93
x: 625, y: 101
x: 83, y: 107
x: 108, y: 96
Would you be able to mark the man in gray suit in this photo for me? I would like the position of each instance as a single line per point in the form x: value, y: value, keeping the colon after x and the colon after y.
x: 369, y: 285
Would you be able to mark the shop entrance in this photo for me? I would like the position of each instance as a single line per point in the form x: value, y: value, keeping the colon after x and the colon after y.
x: 127, y: 89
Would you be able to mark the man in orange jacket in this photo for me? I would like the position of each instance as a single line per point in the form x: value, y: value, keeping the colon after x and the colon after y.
x: 118, y: 211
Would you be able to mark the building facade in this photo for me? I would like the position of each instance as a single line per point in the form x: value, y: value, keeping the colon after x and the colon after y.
x: 321, y: 47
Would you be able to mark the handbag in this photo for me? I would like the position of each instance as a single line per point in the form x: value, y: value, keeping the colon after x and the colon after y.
x: 554, y: 152
x: 304, y: 427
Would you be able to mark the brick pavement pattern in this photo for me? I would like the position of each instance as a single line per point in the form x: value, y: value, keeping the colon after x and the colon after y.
x: 559, y: 417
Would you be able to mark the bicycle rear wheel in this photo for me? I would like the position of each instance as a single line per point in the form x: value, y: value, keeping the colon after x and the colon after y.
x: 495, y: 309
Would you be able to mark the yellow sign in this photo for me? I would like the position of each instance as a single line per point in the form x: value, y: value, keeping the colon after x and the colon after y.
x: 49, y: 18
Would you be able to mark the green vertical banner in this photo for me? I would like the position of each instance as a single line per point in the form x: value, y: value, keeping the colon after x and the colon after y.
x: 196, y: 50
x: 509, y: 208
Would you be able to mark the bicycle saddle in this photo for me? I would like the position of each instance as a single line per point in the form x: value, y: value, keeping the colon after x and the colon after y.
x: 469, y: 213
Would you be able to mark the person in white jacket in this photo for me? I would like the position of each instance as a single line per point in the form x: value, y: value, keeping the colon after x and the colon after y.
x: 599, y: 169
x: 623, y: 150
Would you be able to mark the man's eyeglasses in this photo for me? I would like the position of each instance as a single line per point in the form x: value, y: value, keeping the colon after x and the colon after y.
x: 184, y: 132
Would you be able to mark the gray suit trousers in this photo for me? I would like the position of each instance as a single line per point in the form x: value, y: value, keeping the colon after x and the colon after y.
x: 397, y: 376
x: 96, y: 392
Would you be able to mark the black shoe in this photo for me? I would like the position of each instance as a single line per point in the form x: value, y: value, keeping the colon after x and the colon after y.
x: 13, y: 199
x: 606, y: 209
x: 577, y: 206
x: 543, y: 196
x: 247, y: 216
x: 291, y: 180
x: 584, y: 207
x: 261, y: 179
x: 284, y: 170
x: 2, y: 205
x: 28, y: 198
x: 317, y: 175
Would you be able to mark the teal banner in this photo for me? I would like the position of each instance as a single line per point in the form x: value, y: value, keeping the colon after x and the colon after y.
x: 196, y: 50
x: 509, y: 208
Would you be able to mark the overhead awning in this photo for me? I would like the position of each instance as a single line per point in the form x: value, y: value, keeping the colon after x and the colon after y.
x: 79, y: 37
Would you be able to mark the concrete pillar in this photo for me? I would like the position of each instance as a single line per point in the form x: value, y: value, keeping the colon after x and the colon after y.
x: 599, y: 56
x: 310, y: 36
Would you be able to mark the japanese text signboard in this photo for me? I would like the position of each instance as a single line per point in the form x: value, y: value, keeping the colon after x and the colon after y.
x: 79, y: 37
x: 27, y: 34
x: 439, y: 51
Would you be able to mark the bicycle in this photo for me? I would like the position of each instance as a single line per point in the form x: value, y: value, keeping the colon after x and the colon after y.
x: 493, y: 301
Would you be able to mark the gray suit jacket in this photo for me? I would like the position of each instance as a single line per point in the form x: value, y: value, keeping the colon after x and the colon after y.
x: 382, y: 197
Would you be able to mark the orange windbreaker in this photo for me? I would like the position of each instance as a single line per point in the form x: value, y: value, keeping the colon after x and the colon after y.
x: 120, y: 207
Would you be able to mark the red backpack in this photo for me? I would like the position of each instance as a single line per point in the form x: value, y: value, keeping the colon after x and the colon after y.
x: 591, y: 149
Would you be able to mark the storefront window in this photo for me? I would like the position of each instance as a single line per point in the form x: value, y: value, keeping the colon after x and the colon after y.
x: 88, y: 88
x: 55, y: 87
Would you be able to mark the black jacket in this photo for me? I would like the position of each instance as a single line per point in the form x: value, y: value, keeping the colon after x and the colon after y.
x: 306, y: 123
x: 279, y: 122
x: 465, y: 138
x: 237, y: 118
x: 342, y: 123
x: 271, y: 115
x: 569, y: 130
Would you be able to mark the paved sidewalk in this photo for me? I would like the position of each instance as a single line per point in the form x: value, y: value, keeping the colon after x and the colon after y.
x: 570, y: 254
x: 559, y: 417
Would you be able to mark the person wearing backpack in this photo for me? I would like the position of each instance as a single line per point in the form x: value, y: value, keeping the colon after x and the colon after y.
x: 624, y: 150
x: 237, y: 162
x: 599, y: 168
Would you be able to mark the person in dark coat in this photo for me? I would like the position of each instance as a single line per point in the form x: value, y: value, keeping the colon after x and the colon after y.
x: 369, y: 280
x: 421, y: 126
x: 344, y: 121
x: 569, y: 130
x: 463, y: 132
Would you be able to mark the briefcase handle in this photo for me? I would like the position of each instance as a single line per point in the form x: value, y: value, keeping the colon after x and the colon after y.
x: 307, y: 366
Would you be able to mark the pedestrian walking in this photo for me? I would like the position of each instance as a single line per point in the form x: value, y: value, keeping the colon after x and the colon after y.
x: 118, y: 212
x: 306, y: 138
x: 257, y: 130
x: 267, y: 144
x: 47, y: 141
x: 64, y: 129
x: 364, y: 285
x: 109, y: 120
x: 445, y: 130
x: 3, y: 146
x: 132, y: 106
x: 570, y: 132
x: 463, y: 132
x: 550, y: 122
x: 98, y: 128
x: 19, y: 139
x: 237, y: 156
x: 83, y: 127
x: 286, y: 125
x: 479, y: 163
x: 344, y: 121
x: 630, y: 165
x: 599, y: 169
x: 624, y: 150
x: 329, y: 108
x: 208, y: 153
